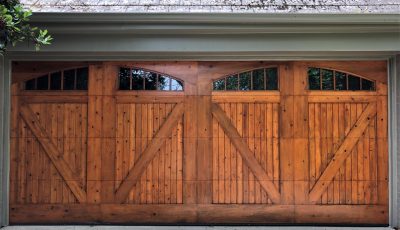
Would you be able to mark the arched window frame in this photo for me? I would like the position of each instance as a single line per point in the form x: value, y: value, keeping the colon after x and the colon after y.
x: 251, y: 87
x: 80, y: 80
x: 340, y: 72
x: 144, y: 88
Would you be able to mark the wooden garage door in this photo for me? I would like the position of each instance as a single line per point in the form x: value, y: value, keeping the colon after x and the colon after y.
x: 199, y: 143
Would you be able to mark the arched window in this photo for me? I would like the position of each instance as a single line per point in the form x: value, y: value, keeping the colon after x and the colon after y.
x: 325, y: 79
x: 141, y: 79
x: 258, y: 79
x: 70, y: 79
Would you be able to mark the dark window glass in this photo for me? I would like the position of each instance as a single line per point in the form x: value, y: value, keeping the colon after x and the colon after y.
x: 42, y: 83
x: 244, y: 81
x: 176, y: 85
x: 314, y: 78
x: 232, y: 82
x: 219, y: 84
x: 341, y: 82
x: 164, y: 83
x: 55, y: 81
x: 30, y: 84
x: 367, y: 85
x: 69, y: 79
x: 150, y: 81
x: 354, y: 82
x: 137, y: 79
x: 82, y: 78
x: 124, y: 81
x: 258, y: 79
x: 272, y: 79
x: 140, y: 79
x: 327, y: 79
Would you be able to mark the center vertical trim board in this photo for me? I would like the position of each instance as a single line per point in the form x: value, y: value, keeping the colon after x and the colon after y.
x: 245, y: 152
x: 148, y: 154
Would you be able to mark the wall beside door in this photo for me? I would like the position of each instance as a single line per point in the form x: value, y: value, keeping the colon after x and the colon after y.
x: 237, y: 154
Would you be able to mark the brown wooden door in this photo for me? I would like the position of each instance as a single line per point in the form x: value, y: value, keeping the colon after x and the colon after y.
x: 269, y: 149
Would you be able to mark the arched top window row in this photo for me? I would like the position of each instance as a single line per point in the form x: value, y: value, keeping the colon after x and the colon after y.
x: 70, y: 79
x: 141, y: 79
x: 325, y: 79
x: 258, y: 79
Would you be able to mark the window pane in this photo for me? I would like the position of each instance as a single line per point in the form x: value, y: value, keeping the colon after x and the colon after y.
x: 354, y: 82
x: 43, y: 83
x: 232, y: 82
x: 341, y: 82
x: 272, y: 79
x: 30, y: 85
x: 258, y: 79
x: 82, y: 78
x: 164, y: 82
x: 314, y: 78
x: 137, y: 79
x: 55, y: 81
x: 124, y: 83
x: 176, y: 85
x: 150, y: 81
x: 367, y: 85
x: 219, y: 84
x: 244, y: 81
x: 327, y: 79
x: 69, y: 79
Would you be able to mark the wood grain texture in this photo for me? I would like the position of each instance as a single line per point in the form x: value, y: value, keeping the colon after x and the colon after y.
x: 55, y: 156
x: 197, y: 156
x: 247, y: 155
x: 148, y: 154
x: 199, y: 214
x: 343, y: 152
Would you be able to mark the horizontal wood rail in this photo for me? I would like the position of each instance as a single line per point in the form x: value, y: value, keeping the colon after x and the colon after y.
x: 197, y: 213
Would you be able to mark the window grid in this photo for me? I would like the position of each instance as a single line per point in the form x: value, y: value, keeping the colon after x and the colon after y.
x: 145, y: 75
x: 51, y: 77
x: 334, y: 81
x: 266, y: 80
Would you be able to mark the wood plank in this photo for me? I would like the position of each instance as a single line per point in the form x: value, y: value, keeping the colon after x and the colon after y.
x: 194, y: 214
x: 190, y: 150
x: 155, y: 214
x: 247, y: 155
x: 148, y: 154
x: 204, y: 150
x: 226, y: 157
x: 95, y: 111
x: 38, y: 99
x: 71, y: 179
x: 342, y: 153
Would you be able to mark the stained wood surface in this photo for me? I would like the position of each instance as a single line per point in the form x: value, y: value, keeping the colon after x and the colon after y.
x: 291, y: 156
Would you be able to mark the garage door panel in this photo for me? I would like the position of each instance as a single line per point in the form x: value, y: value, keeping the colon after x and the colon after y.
x: 333, y: 126
x: 234, y: 178
x: 39, y: 180
x: 136, y: 126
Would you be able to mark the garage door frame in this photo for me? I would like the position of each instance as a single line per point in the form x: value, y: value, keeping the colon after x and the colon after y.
x: 59, y: 53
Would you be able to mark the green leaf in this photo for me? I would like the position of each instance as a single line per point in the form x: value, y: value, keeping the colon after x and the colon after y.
x: 14, y: 25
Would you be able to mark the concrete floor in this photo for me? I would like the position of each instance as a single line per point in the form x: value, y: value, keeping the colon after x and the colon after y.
x: 66, y: 227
